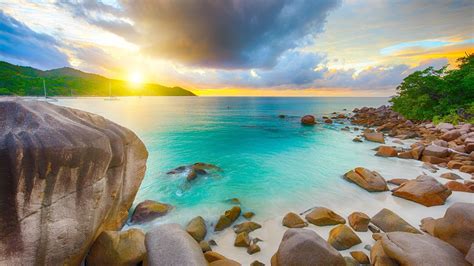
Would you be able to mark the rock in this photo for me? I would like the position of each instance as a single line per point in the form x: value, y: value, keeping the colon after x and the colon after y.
x: 234, y: 201
x: 360, y: 257
x: 416, y: 152
x: 378, y: 257
x: 293, y: 220
x: 441, y: 143
x: 177, y: 170
x: 450, y: 176
x: 469, y: 148
x: 445, y: 126
x: 470, y: 255
x: 350, y: 261
x: 248, y: 215
x: 323, y: 216
x: 342, y: 237
x: 197, y: 228
x: 454, y: 164
x: 328, y: 121
x: 388, y: 221
x: 253, y: 248
x: 456, y: 227
x: 228, y: 218
x: 305, y: 247
x: 451, y: 135
x: 374, y: 229
x: 191, y: 175
x: 225, y: 262
x: 427, y: 225
x: 433, y: 159
x: 308, y: 120
x: 377, y: 236
x: 456, y: 186
x: 405, y: 155
x: 212, y: 242
x: 467, y: 169
x: 256, y: 263
x: 148, y: 210
x: 205, y: 247
x: 374, y: 137
x: 206, y: 167
x: 170, y: 245
x: 417, y: 249
x: 397, y: 141
x: 242, y: 240
x: 369, y: 180
x: 212, y: 256
x: 397, y: 181
x: 424, y: 190
x: 118, y: 248
x: 66, y: 176
x: 281, y: 116
x: 436, y: 151
x: 386, y: 151
x: 430, y: 167
x: 356, y: 139
x: 246, y: 227
x: 359, y: 221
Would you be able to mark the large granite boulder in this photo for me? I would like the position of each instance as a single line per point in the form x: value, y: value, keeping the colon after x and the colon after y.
x: 456, y: 227
x: 368, y: 180
x: 118, y: 248
x: 323, y: 216
x: 389, y: 221
x: 342, y: 237
x: 66, y: 176
x: 424, y: 190
x: 169, y: 244
x: 417, y: 249
x: 197, y: 228
x: 305, y: 247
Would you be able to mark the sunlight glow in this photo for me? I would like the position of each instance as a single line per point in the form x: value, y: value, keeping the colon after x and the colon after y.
x: 136, y: 78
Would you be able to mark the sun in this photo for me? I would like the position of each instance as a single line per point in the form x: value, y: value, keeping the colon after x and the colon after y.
x: 136, y: 78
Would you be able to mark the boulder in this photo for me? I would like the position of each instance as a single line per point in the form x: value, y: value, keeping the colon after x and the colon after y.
x: 441, y: 143
x: 328, y: 121
x: 323, y: 216
x: 451, y: 135
x: 360, y: 257
x: 436, y: 151
x: 148, y: 210
x: 356, y: 139
x: 342, y: 237
x: 242, y: 240
x: 456, y: 227
x: 359, y: 221
x: 225, y: 262
x: 197, y: 228
x: 405, y: 155
x: 253, y: 248
x: 308, y: 120
x: 417, y: 249
x: 374, y: 137
x: 424, y: 190
x: 467, y: 169
x: 228, y: 218
x: 65, y: 177
x: 389, y: 221
x: 248, y: 215
x: 369, y: 180
x: 118, y: 248
x: 211, y: 256
x: 445, y: 126
x: 456, y: 186
x: 454, y: 164
x: 293, y: 220
x: 417, y: 151
x: 246, y: 227
x: 470, y: 255
x: 170, y: 245
x: 305, y: 247
x: 257, y: 263
x: 386, y: 151
x: 205, y: 247
x: 433, y: 159
x: 450, y: 176
x: 378, y: 257
x: 397, y: 181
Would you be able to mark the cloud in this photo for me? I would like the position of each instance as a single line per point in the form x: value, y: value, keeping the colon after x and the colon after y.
x: 215, y: 34
x: 21, y: 45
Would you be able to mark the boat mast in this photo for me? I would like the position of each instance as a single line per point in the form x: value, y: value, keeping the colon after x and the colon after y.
x: 44, y: 89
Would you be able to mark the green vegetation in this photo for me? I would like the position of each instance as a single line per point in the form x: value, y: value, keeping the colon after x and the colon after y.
x: 28, y: 81
x: 439, y: 95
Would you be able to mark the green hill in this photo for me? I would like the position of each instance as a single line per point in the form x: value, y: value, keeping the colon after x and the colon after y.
x: 28, y: 81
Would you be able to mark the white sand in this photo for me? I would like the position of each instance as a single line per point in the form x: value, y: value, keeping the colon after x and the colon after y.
x: 369, y: 203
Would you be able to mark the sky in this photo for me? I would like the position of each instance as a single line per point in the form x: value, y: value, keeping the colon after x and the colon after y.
x: 242, y: 48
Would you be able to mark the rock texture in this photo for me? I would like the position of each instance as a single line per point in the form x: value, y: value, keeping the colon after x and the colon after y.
x: 369, y: 180
x: 389, y: 221
x: 424, y: 190
x: 66, y: 176
x: 118, y: 248
x: 305, y: 247
x: 170, y: 245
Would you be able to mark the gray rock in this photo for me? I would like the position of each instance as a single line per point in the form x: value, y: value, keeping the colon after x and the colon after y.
x: 169, y: 244
x: 65, y: 176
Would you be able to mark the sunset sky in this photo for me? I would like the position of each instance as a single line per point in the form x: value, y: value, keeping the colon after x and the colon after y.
x: 293, y: 48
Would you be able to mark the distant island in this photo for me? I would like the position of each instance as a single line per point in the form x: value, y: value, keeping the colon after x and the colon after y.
x: 66, y: 81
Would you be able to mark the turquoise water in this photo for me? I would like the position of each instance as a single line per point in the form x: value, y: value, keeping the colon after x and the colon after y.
x: 271, y: 164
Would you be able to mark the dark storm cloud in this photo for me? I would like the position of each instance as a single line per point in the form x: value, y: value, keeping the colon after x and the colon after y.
x: 218, y: 34
x: 21, y: 45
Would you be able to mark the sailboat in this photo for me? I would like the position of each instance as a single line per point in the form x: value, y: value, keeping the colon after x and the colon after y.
x: 111, y: 98
x: 46, y: 98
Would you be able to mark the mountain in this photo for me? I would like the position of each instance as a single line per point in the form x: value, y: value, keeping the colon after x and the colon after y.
x: 66, y: 81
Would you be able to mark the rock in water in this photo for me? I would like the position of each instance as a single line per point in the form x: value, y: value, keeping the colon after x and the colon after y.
x: 197, y: 228
x: 148, y: 210
x: 118, y: 248
x: 305, y: 247
x: 424, y: 190
x: 389, y: 221
x: 66, y: 176
x: 368, y: 180
x: 170, y: 245
x: 308, y: 120
x: 228, y: 218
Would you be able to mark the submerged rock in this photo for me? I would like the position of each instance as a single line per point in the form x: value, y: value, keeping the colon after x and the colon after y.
x: 305, y: 247
x: 389, y: 221
x: 323, y: 216
x: 368, y: 180
x: 197, y: 228
x: 293, y: 220
x: 228, y: 218
x: 66, y: 176
x: 308, y: 120
x: 424, y: 190
x: 170, y: 245
x: 118, y: 248
x: 342, y: 237
x: 148, y: 210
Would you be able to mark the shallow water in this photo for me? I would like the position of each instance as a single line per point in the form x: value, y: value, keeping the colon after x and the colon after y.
x: 271, y: 164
